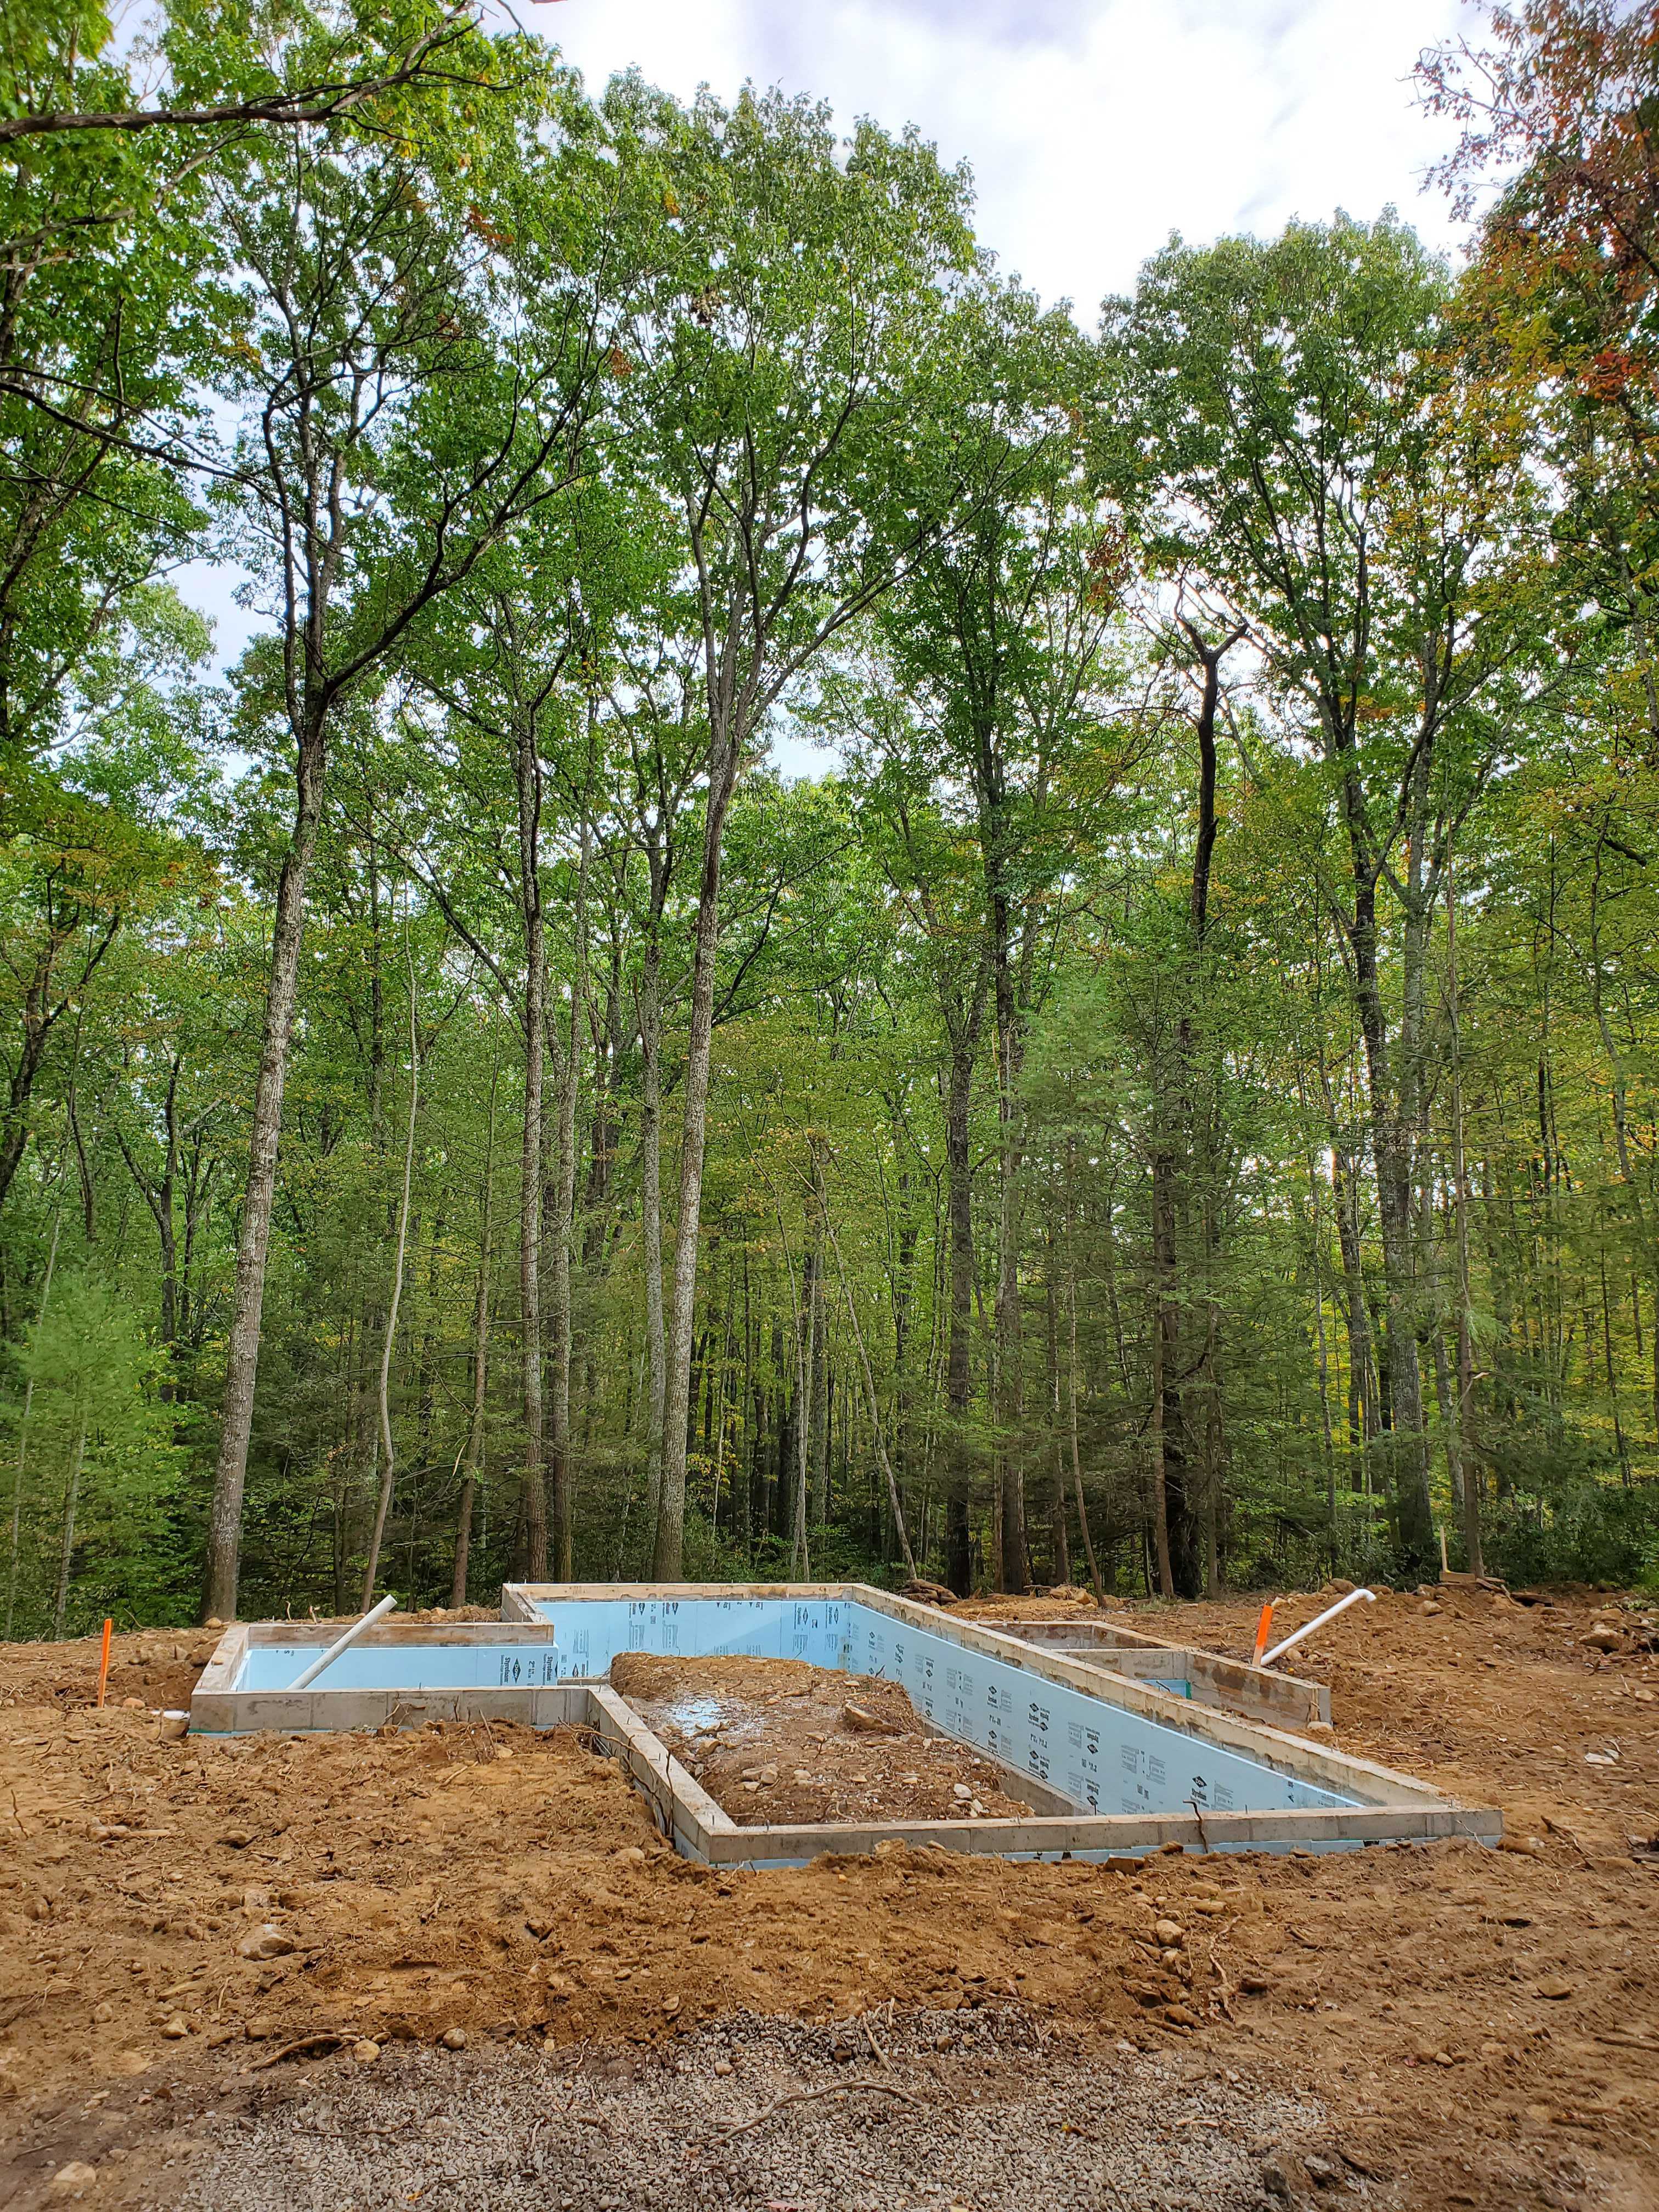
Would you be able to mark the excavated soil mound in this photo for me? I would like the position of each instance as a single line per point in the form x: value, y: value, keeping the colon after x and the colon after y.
x: 776, y: 1741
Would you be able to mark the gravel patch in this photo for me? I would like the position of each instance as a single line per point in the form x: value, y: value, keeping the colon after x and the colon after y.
x: 923, y: 2115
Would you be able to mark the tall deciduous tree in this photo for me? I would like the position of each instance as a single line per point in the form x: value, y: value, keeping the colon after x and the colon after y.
x: 414, y: 336
x: 1285, y: 423
x: 771, y: 371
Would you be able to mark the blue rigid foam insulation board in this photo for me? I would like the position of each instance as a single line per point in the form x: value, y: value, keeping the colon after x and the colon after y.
x: 591, y: 1631
x: 587, y: 1634
x: 405, y: 1666
x: 1099, y: 1754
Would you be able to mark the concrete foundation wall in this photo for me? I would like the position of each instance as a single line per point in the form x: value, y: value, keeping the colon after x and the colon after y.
x: 1077, y: 1739
x: 1152, y: 1768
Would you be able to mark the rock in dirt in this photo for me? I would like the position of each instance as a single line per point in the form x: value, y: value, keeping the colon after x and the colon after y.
x: 925, y: 1593
x: 1286, y: 2178
x: 1170, y: 1934
x: 266, y: 1942
x: 71, y: 2181
x: 177, y: 2028
x: 365, y: 2052
x: 453, y: 2038
x: 1530, y: 1847
x: 1554, y: 1988
x: 861, y: 1722
x: 1603, y: 1637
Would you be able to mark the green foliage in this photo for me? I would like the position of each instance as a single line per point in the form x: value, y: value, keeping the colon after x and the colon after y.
x: 93, y: 1470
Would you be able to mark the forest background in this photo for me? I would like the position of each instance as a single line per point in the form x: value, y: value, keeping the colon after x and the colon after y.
x: 1177, y: 1103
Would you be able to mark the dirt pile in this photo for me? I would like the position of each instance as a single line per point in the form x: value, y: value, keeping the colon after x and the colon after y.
x: 776, y: 1739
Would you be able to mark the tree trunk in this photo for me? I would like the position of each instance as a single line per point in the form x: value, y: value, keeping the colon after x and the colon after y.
x: 895, y: 1504
x: 1391, y: 1142
x: 1013, y: 1558
x: 1465, y: 1421
x: 1077, y: 1459
x: 224, y: 1545
x: 1180, y: 1522
x: 1365, y: 1406
x: 563, y: 1231
x: 23, y: 1430
x: 532, y: 1494
x: 656, y: 1356
x: 1160, y: 1500
x: 472, y: 1458
x: 819, y: 1383
x: 1060, y: 1541
x: 959, y: 1550
x: 388, y: 1456
x: 71, y: 1498
x: 669, y: 1553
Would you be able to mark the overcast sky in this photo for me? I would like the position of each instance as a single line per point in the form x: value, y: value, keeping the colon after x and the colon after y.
x: 1094, y: 128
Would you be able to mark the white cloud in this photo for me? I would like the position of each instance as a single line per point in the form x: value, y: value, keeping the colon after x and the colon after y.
x: 1093, y: 127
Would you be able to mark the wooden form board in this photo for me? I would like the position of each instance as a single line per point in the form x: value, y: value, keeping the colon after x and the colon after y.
x: 1395, y: 1808
x: 1213, y: 1679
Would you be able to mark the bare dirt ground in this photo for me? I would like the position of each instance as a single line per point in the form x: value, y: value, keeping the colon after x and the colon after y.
x: 1399, y: 2028
x: 774, y: 1740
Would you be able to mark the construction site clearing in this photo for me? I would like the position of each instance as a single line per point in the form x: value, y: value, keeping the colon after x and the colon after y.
x: 459, y: 1964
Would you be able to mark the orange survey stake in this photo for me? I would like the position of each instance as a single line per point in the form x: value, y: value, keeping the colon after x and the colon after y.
x: 103, y: 1661
x: 1263, y: 1628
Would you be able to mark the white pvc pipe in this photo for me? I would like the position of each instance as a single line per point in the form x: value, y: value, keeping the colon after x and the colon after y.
x: 1318, y: 1621
x: 303, y: 1681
